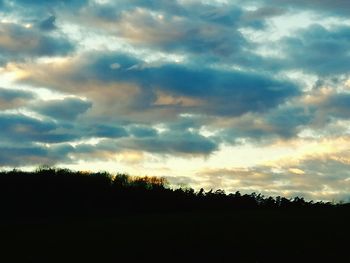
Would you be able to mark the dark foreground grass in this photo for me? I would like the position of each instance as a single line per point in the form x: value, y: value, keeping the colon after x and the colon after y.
x: 242, y: 236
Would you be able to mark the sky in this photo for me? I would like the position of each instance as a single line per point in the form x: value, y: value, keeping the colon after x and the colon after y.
x: 250, y: 96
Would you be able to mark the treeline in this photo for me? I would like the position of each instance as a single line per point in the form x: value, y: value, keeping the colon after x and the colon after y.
x: 61, y: 192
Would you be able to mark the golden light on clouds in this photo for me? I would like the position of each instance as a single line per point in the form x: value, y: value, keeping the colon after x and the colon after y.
x: 296, y: 171
x: 15, y: 71
x: 168, y: 99
x: 130, y: 157
x: 347, y: 84
x: 302, y: 149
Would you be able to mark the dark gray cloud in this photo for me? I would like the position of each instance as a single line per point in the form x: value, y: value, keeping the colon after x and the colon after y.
x: 51, y: 3
x: 10, y: 98
x: 319, y: 50
x: 180, y: 34
x: 173, y: 143
x: 203, y: 14
x: 37, y: 6
x: 66, y: 109
x: 105, y: 131
x: 337, y: 105
x: 27, y: 155
x: 257, y: 19
x: 20, y: 43
x: 285, y: 123
x: 319, y: 112
x: 142, y: 131
x: 223, y: 92
x: 327, y: 108
x: 21, y: 129
x: 48, y: 24
x: 330, y: 7
x: 11, y: 94
x: 111, y: 11
x: 206, y: 90
x: 169, y: 142
x: 17, y: 128
x: 204, y: 31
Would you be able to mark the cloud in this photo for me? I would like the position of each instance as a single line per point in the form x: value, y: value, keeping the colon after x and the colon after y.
x: 105, y: 131
x: 18, y: 42
x: 16, y: 128
x: 11, y: 99
x: 142, y: 132
x: 168, y: 143
x: 66, y: 109
x: 319, y: 50
x: 327, y: 105
x: 48, y: 24
x: 257, y: 18
x: 207, y: 32
x: 322, y: 111
x: 27, y: 155
x: 19, y: 128
x: 312, y: 178
x: 288, y: 121
x: 335, y: 8
x: 337, y: 105
x: 173, y: 143
x: 110, y: 11
x: 191, y: 89
x: 44, y: 5
x: 285, y: 123
x: 178, y: 33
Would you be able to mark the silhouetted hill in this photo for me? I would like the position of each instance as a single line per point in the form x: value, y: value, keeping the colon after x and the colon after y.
x: 56, y: 215
x: 61, y: 192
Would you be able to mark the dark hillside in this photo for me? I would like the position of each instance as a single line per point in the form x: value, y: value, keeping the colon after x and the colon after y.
x: 60, y: 192
x: 61, y: 216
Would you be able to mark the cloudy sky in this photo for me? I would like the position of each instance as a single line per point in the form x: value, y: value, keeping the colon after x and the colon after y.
x: 249, y: 95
